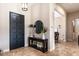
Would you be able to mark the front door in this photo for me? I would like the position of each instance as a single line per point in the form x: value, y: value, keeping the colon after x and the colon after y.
x: 16, y: 30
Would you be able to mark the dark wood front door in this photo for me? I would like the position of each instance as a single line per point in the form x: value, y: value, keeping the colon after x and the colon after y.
x: 16, y: 30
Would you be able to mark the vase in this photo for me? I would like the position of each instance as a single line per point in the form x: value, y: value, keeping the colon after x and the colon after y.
x: 43, y: 37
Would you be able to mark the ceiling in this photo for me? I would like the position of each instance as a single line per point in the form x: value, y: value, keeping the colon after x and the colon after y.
x: 70, y: 7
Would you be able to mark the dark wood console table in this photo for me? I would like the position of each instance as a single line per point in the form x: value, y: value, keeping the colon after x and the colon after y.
x: 37, y: 43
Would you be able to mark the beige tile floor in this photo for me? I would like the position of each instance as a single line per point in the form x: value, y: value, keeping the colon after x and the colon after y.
x: 62, y: 49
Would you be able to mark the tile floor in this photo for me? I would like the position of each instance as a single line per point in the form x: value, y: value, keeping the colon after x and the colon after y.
x: 62, y: 49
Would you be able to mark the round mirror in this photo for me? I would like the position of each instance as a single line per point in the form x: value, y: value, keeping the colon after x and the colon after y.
x: 39, y: 26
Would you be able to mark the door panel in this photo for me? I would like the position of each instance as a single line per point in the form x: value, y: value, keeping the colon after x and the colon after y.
x: 20, y: 30
x: 16, y: 30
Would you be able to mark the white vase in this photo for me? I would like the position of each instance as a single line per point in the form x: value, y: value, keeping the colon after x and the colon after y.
x: 43, y: 37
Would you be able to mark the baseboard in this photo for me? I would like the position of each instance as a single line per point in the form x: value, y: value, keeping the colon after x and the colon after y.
x: 5, y: 50
x: 50, y: 50
x: 26, y: 45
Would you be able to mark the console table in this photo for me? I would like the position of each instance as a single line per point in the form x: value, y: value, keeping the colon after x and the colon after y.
x: 38, y: 43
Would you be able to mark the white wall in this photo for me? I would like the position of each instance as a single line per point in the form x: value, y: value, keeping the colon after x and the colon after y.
x: 62, y: 21
x: 35, y: 12
x: 44, y: 12
x: 45, y: 16
x: 51, y: 27
x: 4, y: 22
x: 38, y: 11
x: 76, y: 28
x: 71, y: 17
x: 52, y: 8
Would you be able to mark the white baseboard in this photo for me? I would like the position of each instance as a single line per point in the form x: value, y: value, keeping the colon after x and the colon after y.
x: 7, y: 50
x: 50, y: 50
x: 26, y: 45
